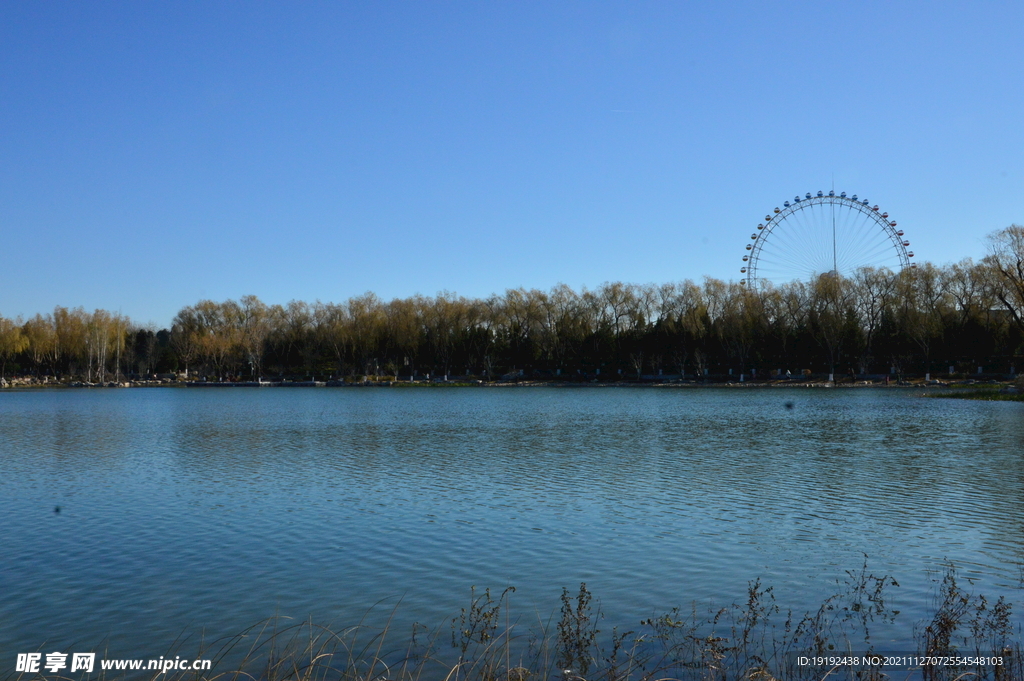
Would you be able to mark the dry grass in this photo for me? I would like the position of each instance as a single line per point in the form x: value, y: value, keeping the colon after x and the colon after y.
x: 751, y: 641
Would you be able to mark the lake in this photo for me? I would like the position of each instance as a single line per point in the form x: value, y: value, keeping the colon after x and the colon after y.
x: 188, y: 510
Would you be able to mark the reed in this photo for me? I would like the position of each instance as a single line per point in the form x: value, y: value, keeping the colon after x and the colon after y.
x: 755, y: 640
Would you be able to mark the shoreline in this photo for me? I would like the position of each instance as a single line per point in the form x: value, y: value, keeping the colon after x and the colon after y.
x: 1004, y: 387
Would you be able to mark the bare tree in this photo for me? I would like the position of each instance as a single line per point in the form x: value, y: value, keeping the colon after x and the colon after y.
x: 12, y: 342
x: 336, y: 333
x: 832, y: 317
x: 1006, y: 256
x: 403, y: 331
x: 873, y: 290
x: 218, y: 337
x: 739, y: 322
x: 41, y: 339
x: 187, y: 335
x: 255, y: 321
x: 366, y: 319
x: 923, y: 307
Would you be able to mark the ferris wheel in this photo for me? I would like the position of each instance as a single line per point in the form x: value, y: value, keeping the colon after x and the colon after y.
x: 820, y: 234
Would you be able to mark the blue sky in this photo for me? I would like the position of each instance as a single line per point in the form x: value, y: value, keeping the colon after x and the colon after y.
x: 153, y: 154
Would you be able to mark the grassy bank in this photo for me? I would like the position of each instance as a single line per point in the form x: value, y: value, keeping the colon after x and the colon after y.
x: 1000, y: 393
x: 752, y: 640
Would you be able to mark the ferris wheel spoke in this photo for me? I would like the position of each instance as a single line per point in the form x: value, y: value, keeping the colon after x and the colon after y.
x: 869, y: 235
x: 877, y: 256
x: 855, y: 235
x: 811, y: 239
x: 820, y: 245
x: 775, y: 257
x: 852, y: 229
x: 853, y: 226
x: 873, y: 239
x: 793, y: 250
x: 794, y: 253
x: 881, y: 253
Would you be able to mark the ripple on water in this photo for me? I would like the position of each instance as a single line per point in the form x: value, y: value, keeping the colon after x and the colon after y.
x: 215, y: 509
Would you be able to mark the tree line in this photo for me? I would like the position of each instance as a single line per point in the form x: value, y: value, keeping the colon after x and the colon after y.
x: 966, y: 315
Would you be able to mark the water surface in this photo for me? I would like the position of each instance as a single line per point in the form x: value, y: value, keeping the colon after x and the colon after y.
x: 207, y: 510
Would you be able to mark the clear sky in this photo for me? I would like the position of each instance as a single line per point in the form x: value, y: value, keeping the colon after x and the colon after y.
x: 153, y: 154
